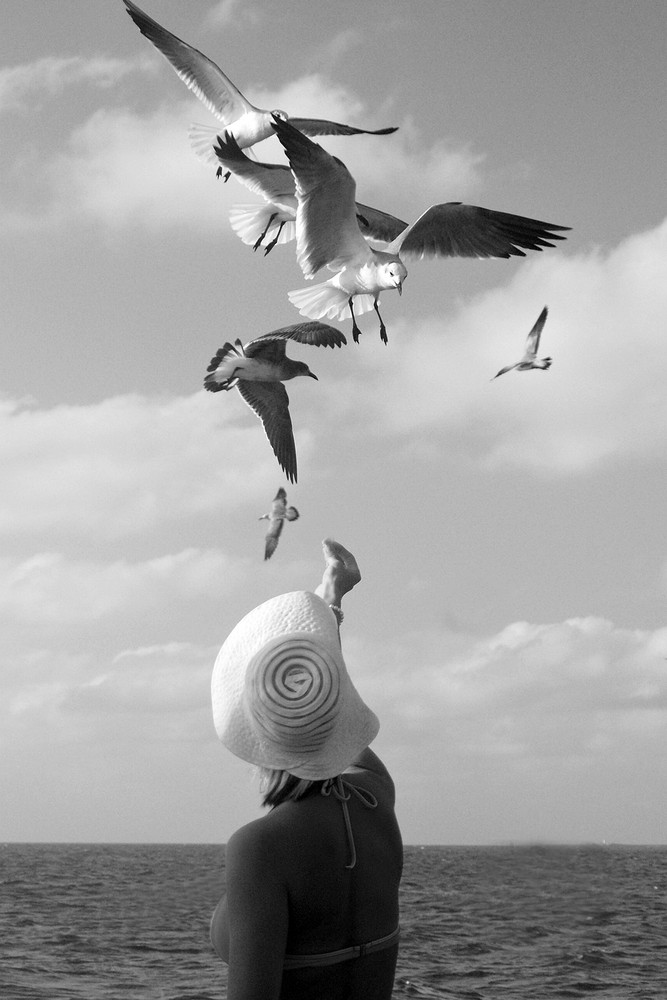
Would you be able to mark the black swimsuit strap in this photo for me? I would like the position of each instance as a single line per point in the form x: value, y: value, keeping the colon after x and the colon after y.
x: 343, y: 791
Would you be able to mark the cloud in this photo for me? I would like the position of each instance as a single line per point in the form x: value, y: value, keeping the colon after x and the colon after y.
x: 232, y: 13
x: 144, y: 695
x: 578, y: 688
x: 386, y: 168
x: 122, y: 169
x: 126, y: 465
x: 603, y: 399
x: 53, y: 589
x: 22, y: 86
x: 582, y: 689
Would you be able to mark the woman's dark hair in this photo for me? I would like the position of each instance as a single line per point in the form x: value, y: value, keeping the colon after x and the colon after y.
x: 281, y: 786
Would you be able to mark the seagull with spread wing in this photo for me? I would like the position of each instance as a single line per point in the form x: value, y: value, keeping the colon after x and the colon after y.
x: 530, y: 359
x: 276, y: 517
x: 275, y: 221
x: 258, y: 369
x: 328, y: 235
x: 216, y: 91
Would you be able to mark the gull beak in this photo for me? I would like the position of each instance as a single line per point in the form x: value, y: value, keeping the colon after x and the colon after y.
x: 399, y: 286
x: 313, y: 376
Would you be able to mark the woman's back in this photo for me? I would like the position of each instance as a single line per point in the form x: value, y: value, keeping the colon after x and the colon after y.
x: 332, y: 886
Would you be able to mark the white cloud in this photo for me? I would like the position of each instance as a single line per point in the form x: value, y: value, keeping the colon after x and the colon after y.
x: 50, y: 588
x: 236, y: 13
x: 127, y: 464
x: 124, y: 169
x: 602, y: 400
x: 21, y: 86
x: 142, y: 696
x: 582, y: 687
x: 386, y: 168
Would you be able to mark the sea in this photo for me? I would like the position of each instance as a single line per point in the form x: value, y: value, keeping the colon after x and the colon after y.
x: 125, y: 921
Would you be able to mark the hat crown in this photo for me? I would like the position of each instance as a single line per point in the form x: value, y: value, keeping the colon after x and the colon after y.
x: 281, y: 694
x: 292, y: 692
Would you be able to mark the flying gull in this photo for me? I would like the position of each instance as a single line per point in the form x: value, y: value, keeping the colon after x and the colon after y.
x: 530, y: 359
x: 276, y: 220
x: 276, y: 517
x: 328, y: 235
x: 216, y: 91
x: 258, y: 369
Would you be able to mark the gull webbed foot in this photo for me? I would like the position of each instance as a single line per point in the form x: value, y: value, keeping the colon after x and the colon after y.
x: 383, y: 328
x: 269, y: 247
x: 259, y: 239
x: 356, y: 332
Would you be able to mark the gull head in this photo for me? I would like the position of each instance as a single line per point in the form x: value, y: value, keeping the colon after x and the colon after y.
x: 303, y: 369
x: 396, y: 272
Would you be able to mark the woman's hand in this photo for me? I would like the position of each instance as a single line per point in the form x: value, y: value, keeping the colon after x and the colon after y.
x: 341, y: 572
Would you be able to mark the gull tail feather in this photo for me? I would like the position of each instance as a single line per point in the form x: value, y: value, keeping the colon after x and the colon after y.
x: 220, y: 369
x: 327, y: 300
x: 249, y: 222
x: 202, y: 140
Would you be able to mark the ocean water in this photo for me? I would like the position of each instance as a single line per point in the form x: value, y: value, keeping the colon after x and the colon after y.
x: 106, y: 922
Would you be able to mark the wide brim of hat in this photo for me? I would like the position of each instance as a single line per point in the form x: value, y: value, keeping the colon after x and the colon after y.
x: 296, y: 616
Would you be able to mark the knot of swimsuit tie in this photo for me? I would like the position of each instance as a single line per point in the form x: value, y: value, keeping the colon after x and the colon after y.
x: 343, y: 791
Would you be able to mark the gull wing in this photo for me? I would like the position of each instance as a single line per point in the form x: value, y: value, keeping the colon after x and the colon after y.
x: 320, y: 126
x: 276, y: 184
x: 278, y: 504
x: 327, y: 231
x: 272, y: 536
x: 533, y: 341
x: 272, y: 181
x: 267, y: 348
x: 456, y: 230
x: 312, y: 333
x: 206, y: 80
x: 377, y: 225
x: 270, y: 402
x: 507, y: 368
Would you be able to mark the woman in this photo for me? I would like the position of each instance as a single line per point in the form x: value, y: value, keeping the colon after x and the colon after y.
x: 311, y: 908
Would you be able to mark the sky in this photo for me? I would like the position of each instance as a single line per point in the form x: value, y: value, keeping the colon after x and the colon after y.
x: 510, y: 628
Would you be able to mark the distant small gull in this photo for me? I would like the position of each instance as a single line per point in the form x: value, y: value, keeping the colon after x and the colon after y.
x: 216, y: 91
x: 258, y: 370
x: 530, y: 359
x: 328, y: 235
x: 275, y: 221
x: 276, y: 517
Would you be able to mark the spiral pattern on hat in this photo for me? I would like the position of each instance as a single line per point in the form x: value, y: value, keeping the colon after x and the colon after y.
x: 292, y: 693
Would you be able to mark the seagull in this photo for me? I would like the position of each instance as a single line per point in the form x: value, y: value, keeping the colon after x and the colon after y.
x: 529, y: 359
x: 277, y: 218
x: 276, y: 517
x: 328, y: 235
x: 258, y: 369
x: 216, y: 91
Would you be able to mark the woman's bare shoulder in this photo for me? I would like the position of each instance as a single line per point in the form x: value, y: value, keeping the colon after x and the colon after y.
x: 368, y: 765
x: 256, y: 843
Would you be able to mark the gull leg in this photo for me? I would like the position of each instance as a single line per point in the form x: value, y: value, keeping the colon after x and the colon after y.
x: 355, y: 329
x: 269, y: 247
x: 383, y: 328
x: 225, y: 177
x: 258, y: 242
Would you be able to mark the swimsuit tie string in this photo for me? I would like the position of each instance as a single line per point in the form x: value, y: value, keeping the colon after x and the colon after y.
x: 343, y: 791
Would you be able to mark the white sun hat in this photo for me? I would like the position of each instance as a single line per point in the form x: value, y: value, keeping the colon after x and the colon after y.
x: 281, y: 694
